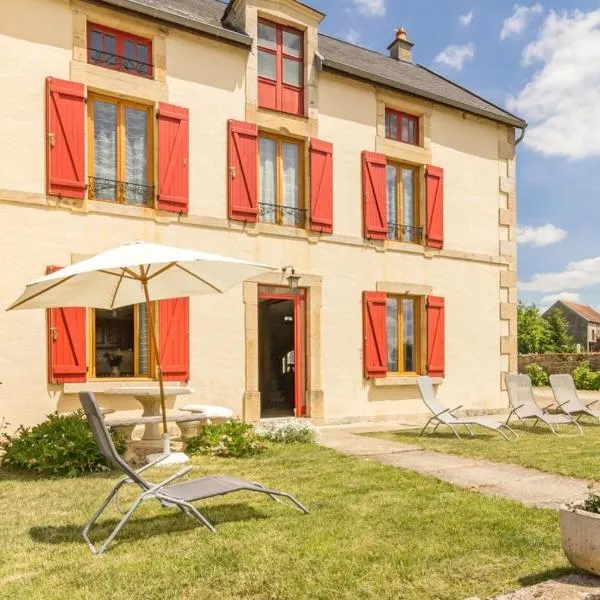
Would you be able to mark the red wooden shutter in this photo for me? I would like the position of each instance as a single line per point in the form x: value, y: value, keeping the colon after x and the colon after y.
x: 321, y: 186
x: 375, y: 335
x: 435, y: 336
x: 173, y: 158
x: 242, y: 171
x: 66, y: 343
x: 435, y: 206
x: 65, y: 138
x: 374, y: 196
x: 174, y: 338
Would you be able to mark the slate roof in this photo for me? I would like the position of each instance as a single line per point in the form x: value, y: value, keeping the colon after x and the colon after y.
x: 587, y: 312
x: 206, y: 16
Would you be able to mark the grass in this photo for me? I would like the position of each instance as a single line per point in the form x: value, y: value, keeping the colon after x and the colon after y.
x: 375, y: 532
x: 570, y: 454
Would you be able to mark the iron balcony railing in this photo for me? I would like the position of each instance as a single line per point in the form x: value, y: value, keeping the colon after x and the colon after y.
x: 125, y: 192
x: 282, y: 215
x: 405, y: 233
x: 120, y: 63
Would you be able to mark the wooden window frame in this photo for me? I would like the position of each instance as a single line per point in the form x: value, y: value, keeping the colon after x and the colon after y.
x: 280, y: 55
x: 280, y: 140
x: 419, y: 304
x: 120, y: 38
x: 121, y: 166
x: 399, y: 204
x: 403, y: 115
x: 91, y: 352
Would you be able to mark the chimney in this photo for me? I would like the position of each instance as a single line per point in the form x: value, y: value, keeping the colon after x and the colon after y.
x: 401, y: 47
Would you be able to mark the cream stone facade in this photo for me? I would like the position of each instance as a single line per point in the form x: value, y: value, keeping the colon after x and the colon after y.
x: 216, y: 79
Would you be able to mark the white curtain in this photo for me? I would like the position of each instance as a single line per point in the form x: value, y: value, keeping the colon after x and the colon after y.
x: 408, y: 333
x: 105, y: 149
x: 143, y: 341
x: 290, y: 183
x: 136, y: 156
x: 268, y: 179
x: 408, y: 203
x: 391, y: 320
x: 392, y: 200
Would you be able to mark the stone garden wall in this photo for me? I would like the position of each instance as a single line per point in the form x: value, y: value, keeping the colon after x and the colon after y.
x: 559, y: 363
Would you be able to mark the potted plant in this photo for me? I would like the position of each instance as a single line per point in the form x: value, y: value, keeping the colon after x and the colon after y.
x: 114, y: 360
x: 580, y: 531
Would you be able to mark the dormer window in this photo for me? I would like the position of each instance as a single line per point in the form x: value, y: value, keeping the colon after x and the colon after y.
x: 401, y: 127
x: 120, y: 51
x: 280, y: 68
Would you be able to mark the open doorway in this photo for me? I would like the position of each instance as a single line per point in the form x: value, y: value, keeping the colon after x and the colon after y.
x: 281, y: 326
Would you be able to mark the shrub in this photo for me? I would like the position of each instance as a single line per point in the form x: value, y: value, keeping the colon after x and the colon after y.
x: 592, y: 500
x: 60, y: 445
x: 538, y: 375
x: 585, y: 378
x: 230, y: 439
x: 289, y: 432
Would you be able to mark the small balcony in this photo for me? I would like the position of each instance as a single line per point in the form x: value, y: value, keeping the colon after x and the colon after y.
x: 119, y: 63
x: 405, y: 233
x: 282, y: 215
x: 121, y: 192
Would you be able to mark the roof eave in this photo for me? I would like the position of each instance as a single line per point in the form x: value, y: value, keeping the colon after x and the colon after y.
x: 365, y: 75
x: 173, y: 19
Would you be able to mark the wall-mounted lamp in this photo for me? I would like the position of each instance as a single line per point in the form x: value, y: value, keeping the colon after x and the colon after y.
x: 292, y: 279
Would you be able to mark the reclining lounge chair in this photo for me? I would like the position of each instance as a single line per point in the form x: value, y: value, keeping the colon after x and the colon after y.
x: 565, y: 394
x: 169, y: 494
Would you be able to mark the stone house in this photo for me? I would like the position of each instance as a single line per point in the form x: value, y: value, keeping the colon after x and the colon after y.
x: 239, y: 128
x: 583, y: 322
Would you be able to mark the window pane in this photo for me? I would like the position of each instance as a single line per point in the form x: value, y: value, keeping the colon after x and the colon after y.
x: 391, y: 125
x: 290, y: 185
x: 110, y: 49
x: 408, y: 205
x: 105, y: 150
x: 143, y: 65
x: 391, y: 321
x: 143, y: 358
x: 292, y: 43
x: 409, y: 133
x: 292, y: 72
x: 267, y: 35
x: 408, y: 336
x: 129, y: 60
x: 268, y: 179
x: 136, y: 156
x: 392, y: 201
x: 267, y: 65
x: 114, y: 345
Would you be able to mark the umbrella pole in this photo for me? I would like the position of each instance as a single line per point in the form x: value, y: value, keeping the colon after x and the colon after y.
x: 151, y: 327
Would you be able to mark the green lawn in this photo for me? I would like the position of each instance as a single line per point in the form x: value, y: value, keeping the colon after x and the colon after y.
x: 570, y: 454
x: 375, y: 532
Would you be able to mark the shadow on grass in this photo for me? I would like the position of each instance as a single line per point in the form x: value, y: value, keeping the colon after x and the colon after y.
x: 542, y: 576
x: 138, y: 528
x: 9, y: 474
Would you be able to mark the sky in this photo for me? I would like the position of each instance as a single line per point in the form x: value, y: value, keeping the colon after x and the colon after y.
x: 541, y: 61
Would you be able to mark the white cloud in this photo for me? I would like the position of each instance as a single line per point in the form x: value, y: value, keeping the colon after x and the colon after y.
x: 548, y: 301
x: 577, y: 275
x: 370, y: 8
x: 455, y: 56
x: 540, y: 236
x: 520, y: 18
x: 466, y: 19
x: 561, y: 100
x: 352, y: 36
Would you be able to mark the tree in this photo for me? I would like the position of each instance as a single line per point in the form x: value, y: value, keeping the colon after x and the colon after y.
x: 560, y: 339
x: 533, y: 331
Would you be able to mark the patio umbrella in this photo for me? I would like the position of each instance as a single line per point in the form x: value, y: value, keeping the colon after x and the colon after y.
x: 137, y: 273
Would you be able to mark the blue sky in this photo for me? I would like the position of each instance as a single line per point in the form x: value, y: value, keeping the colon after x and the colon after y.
x: 542, y: 61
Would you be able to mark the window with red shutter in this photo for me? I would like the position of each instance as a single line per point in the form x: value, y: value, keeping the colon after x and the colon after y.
x: 374, y: 335
x: 280, y: 68
x: 321, y: 186
x: 173, y: 158
x: 174, y: 338
x: 435, y: 336
x: 66, y: 328
x: 435, y: 206
x: 242, y: 173
x: 374, y: 195
x: 65, y: 154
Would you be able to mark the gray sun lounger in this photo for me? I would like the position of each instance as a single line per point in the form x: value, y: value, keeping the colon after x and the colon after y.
x: 565, y: 394
x: 445, y: 416
x: 523, y: 405
x: 169, y: 494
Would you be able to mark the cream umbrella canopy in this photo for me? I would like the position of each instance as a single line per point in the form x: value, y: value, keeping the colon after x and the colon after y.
x: 137, y: 273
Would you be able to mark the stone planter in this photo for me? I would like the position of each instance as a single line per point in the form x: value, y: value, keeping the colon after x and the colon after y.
x: 580, y: 532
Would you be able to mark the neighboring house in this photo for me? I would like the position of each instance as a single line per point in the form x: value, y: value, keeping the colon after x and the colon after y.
x: 583, y: 322
x: 240, y: 129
